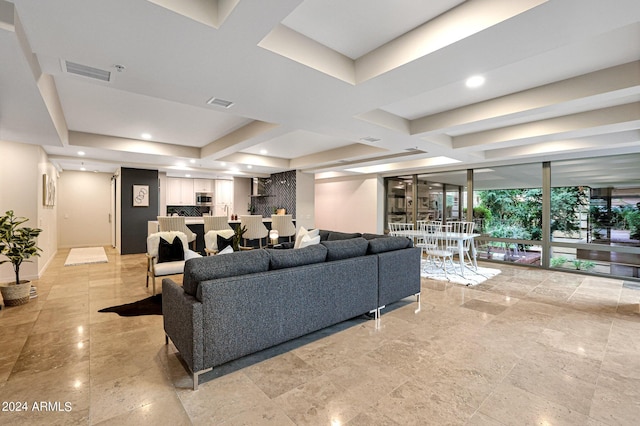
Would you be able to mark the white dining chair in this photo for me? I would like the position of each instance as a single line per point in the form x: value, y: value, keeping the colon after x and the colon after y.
x: 467, y: 248
x: 437, y: 249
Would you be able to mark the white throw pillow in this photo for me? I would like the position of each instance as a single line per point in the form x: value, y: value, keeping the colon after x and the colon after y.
x: 227, y: 249
x: 307, y: 240
x: 302, y: 232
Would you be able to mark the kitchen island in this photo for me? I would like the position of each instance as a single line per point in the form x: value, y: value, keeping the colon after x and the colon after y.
x: 196, y: 224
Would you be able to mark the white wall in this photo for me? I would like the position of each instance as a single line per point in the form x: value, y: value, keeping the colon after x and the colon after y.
x: 21, y: 169
x: 305, y: 200
x: 350, y: 204
x: 241, y: 193
x: 84, y: 204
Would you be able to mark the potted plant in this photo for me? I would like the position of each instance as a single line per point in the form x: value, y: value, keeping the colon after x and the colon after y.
x: 17, y: 244
x: 237, y: 237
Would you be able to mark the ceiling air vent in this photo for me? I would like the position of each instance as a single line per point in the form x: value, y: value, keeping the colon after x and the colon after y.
x: 87, y: 71
x: 219, y: 102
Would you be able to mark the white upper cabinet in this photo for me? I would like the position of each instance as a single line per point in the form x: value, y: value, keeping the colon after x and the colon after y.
x: 203, y: 185
x: 180, y: 192
x: 224, y: 192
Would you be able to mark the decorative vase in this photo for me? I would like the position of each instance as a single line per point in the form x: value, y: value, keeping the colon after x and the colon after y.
x: 15, y: 294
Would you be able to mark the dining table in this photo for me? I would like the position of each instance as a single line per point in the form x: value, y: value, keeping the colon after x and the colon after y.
x: 459, y: 237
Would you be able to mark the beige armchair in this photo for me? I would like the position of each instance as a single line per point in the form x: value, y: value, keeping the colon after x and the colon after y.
x: 155, y: 266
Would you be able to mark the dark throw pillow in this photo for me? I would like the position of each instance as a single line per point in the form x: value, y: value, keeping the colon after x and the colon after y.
x: 170, y: 252
x: 224, y: 242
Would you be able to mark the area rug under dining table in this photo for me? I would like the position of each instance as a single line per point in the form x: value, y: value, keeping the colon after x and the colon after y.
x: 471, y: 276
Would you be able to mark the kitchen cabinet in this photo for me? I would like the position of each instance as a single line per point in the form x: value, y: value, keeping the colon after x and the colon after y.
x: 224, y: 192
x: 203, y: 185
x: 180, y: 192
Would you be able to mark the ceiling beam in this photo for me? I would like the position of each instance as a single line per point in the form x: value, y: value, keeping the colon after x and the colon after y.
x: 596, y: 83
x: 617, y: 118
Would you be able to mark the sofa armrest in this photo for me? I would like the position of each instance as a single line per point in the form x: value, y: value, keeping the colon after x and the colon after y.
x: 182, y: 316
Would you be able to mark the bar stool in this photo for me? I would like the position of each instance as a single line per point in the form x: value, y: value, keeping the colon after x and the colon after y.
x: 216, y: 223
x: 255, y: 228
x: 177, y: 223
x: 283, y: 223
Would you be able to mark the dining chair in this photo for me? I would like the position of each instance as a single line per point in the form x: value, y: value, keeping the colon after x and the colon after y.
x: 283, y: 223
x: 177, y: 223
x: 216, y: 223
x: 437, y: 245
x: 397, y: 228
x: 467, y: 248
x: 255, y: 228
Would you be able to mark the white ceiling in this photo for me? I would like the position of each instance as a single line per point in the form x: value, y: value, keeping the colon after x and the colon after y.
x: 311, y: 80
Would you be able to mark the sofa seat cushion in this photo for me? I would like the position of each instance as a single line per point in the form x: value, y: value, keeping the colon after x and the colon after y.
x: 345, y: 249
x: 168, y: 268
x: 334, y: 236
x: 381, y: 245
x: 229, y: 265
x: 280, y: 259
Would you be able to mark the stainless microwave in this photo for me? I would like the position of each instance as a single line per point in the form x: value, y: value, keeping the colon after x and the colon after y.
x: 204, y: 199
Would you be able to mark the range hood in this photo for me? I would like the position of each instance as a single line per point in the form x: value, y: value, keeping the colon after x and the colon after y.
x: 258, y: 187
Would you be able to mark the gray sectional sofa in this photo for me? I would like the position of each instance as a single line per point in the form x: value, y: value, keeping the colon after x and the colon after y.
x: 236, y: 304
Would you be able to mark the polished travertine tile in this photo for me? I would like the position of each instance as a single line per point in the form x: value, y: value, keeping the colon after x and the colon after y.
x: 526, y: 347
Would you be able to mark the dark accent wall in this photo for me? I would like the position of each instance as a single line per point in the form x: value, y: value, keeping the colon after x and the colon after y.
x: 133, y: 228
x: 280, y: 189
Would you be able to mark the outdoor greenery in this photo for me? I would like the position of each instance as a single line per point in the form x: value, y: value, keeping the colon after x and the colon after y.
x: 625, y: 217
x: 17, y: 243
x: 517, y: 213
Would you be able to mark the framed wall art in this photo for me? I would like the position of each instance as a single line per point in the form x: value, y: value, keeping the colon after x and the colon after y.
x: 140, y: 195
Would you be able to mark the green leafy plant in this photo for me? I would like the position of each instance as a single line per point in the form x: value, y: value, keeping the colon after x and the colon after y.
x: 17, y: 243
x: 584, y: 265
x: 237, y: 236
x: 557, y: 262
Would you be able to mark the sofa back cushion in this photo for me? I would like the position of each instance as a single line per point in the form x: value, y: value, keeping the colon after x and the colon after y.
x: 344, y: 249
x: 280, y: 259
x: 334, y: 236
x: 368, y: 236
x: 229, y: 265
x: 381, y: 245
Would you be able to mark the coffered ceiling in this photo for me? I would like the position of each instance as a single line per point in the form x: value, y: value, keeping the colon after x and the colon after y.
x: 332, y: 87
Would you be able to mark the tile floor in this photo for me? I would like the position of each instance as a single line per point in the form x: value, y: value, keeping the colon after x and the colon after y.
x: 527, y: 347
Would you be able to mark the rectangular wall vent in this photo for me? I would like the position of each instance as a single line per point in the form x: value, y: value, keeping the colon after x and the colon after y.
x: 87, y: 71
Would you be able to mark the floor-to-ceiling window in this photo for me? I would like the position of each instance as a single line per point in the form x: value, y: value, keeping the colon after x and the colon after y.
x: 508, y: 212
x: 591, y: 222
x: 603, y: 215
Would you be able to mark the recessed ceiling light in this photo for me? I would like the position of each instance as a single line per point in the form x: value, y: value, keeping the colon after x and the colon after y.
x: 145, y: 136
x: 249, y: 166
x: 83, y: 169
x: 187, y: 175
x: 475, y: 81
x: 223, y: 164
x: 192, y: 161
x: 80, y: 152
x: 219, y: 102
x: 263, y: 151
